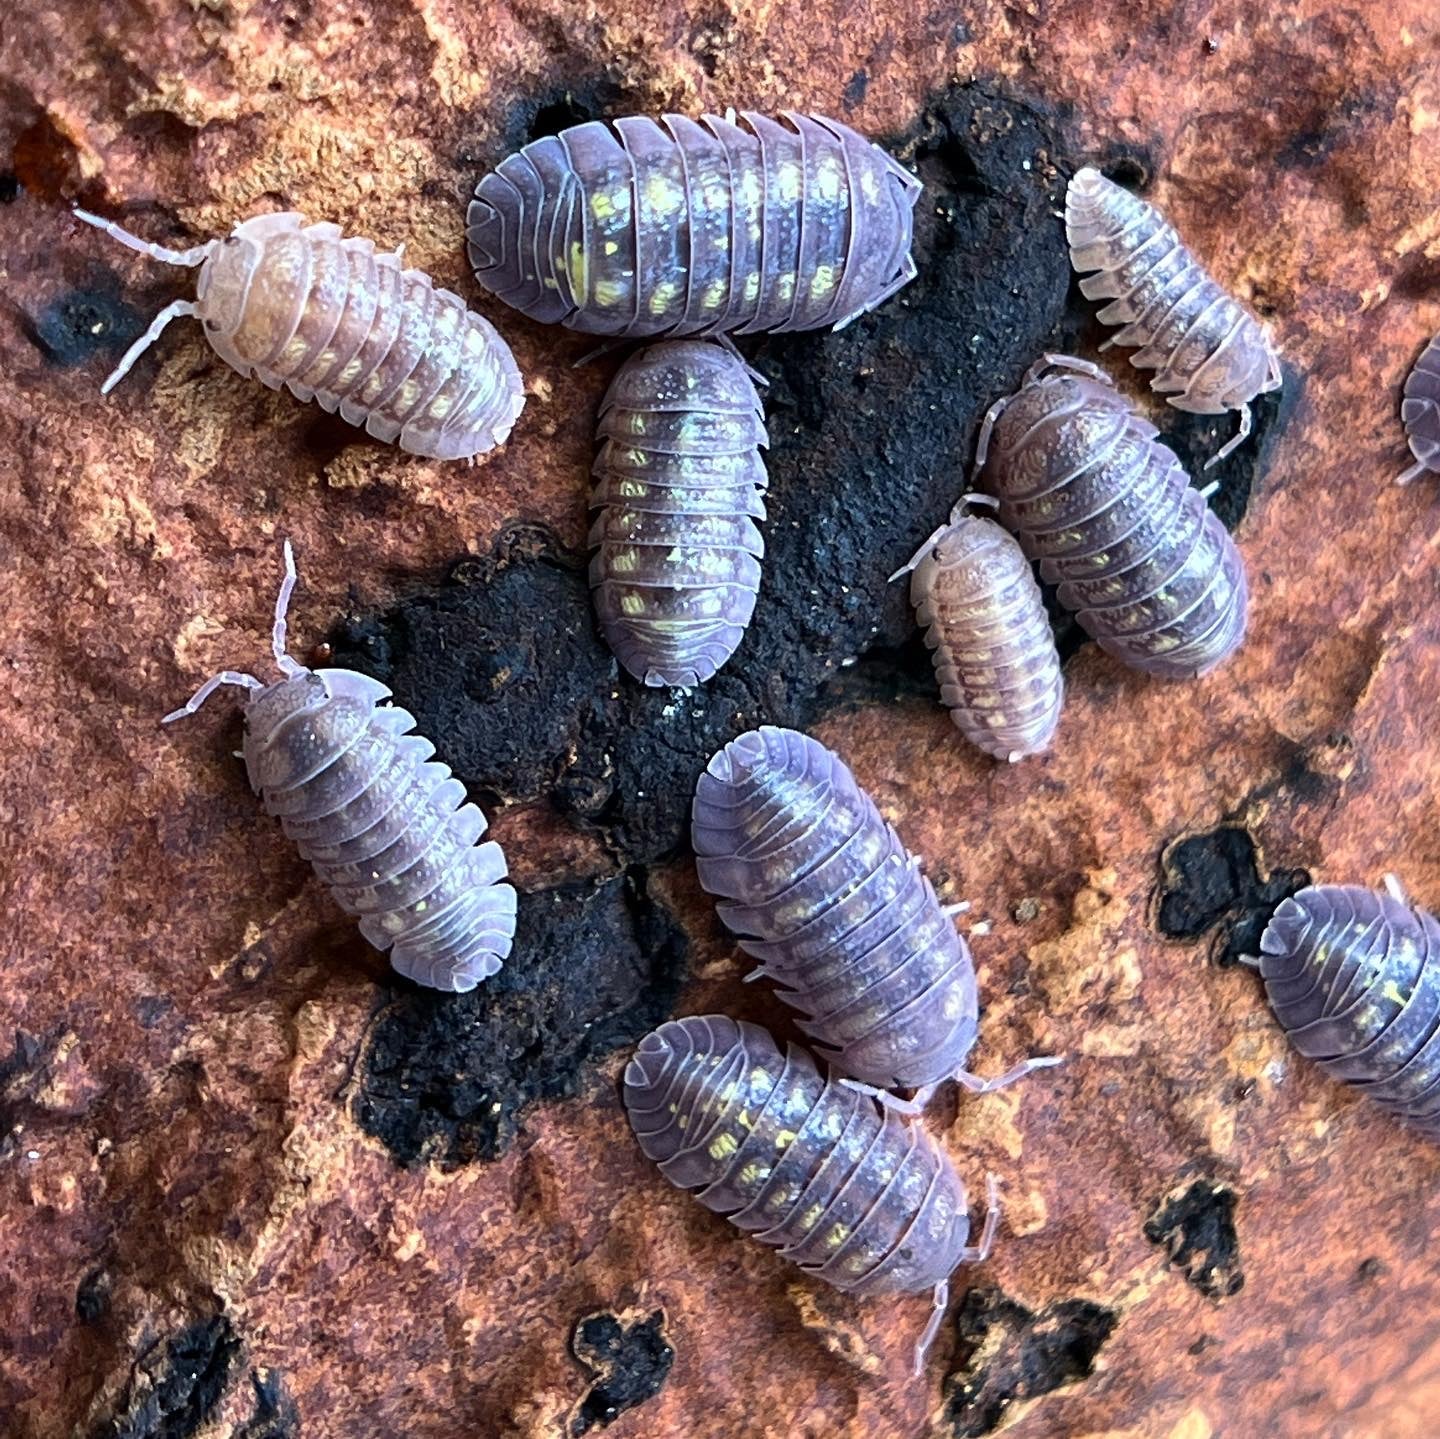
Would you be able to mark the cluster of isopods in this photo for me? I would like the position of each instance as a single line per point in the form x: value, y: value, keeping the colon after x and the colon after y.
x: 693, y: 232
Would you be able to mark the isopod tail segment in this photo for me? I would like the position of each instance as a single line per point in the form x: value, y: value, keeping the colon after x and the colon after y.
x: 188, y: 258
x: 975, y: 1254
x: 971, y: 1082
x: 289, y: 666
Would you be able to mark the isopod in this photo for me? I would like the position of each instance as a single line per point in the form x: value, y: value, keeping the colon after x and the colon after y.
x: 984, y: 619
x: 298, y: 305
x: 1420, y: 413
x: 678, y: 485
x: 385, y: 826
x: 1354, y: 979
x: 1108, y: 511
x: 838, y: 1184
x: 824, y: 894
x: 1209, y: 353
x: 683, y: 228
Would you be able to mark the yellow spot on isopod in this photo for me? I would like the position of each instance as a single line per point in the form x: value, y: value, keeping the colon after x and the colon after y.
x: 611, y: 248
x: 663, y: 195
x: 785, y: 1137
x: 837, y: 1236
x: 807, y: 1220
x: 632, y: 605
x: 752, y: 285
x: 822, y: 282
x: 608, y: 292
x: 664, y: 296
x: 714, y: 295
x: 787, y: 179
x: 723, y: 1147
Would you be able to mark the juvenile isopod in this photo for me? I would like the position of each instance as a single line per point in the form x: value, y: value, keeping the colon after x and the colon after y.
x: 1209, y: 353
x: 985, y: 622
x: 1354, y: 979
x: 822, y: 892
x: 838, y: 1184
x: 330, y: 319
x: 678, y: 485
x: 386, y: 827
x: 1108, y: 511
x: 1420, y: 413
x: 686, y: 228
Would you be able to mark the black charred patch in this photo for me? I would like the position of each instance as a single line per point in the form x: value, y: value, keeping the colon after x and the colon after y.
x: 1009, y: 1353
x: 856, y: 88
x: 629, y: 1361
x: 10, y: 188
x: 92, y: 1296
x: 175, y: 1384
x: 276, y: 1415
x: 1130, y: 165
x: 1195, y: 1225
x: 82, y: 323
x: 871, y: 432
x: 1212, y: 882
x: 445, y: 1077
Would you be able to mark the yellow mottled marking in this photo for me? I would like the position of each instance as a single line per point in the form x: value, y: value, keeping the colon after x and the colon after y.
x: 752, y: 285
x: 788, y: 179
x: 828, y: 177
x: 664, y: 296
x: 578, y: 270
x: 784, y: 1138
x: 723, y: 1147
x: 608, y: 292
x: 837, y: 1236
x: 663, y: 195
x: 806, y: 1222
x: 632, y: 604
x: 822, y: 282
x: 714, y: 295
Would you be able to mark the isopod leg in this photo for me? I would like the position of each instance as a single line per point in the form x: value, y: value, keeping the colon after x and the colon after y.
x: 932, y: 1325
x: 188, y: 258
x: 979, y: 1253
x: 1413, y: 473
x: 1396, y: 890
x: 287, y: 665
x: 908, y: 1107
x: 225, y: 677
x: 171, y: 312
x: 918, y: 557
x: 1236, y: 440
x: 976, y: 1085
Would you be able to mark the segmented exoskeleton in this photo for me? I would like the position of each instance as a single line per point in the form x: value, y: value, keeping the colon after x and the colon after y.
x: 678, y: 483
x: 1150, y: 572
x: 837, y: 1183
x: 386, y: 827
x: 823, y: 893
x: 984, y: 619
x: 1210, y: 354
x: 1354, y: 979
x: 332, y: 321
x: 1420, y: 413
x: 637, y: 228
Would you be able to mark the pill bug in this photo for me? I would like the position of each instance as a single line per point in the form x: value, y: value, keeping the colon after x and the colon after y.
x: 825, y: 895
x: 1420, y: 413
x: 385, y: 826
x: 1209, y: 353
x: 985, y: 623
x: 1108, y: 511
x: 1354, y: 979
x: 838, y: 1184
x: 327, y: 317
x: 678, y: 485
x: 683, y: 227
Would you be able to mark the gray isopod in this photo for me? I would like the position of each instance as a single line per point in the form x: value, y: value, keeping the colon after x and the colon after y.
x: 1108, y: 511
x: 678, y: 485
x: 385, y: 826
x: 300, y: 306
x: 838, y: 1184
x: 985, y: 622
x: 1420, y: 413
x: 1354, y: 979
x: 635, y: 227
x: 823, y: 893
x: 1209, y: 353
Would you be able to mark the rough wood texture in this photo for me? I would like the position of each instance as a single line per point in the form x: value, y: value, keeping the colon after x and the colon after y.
x: 251, y: 1185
